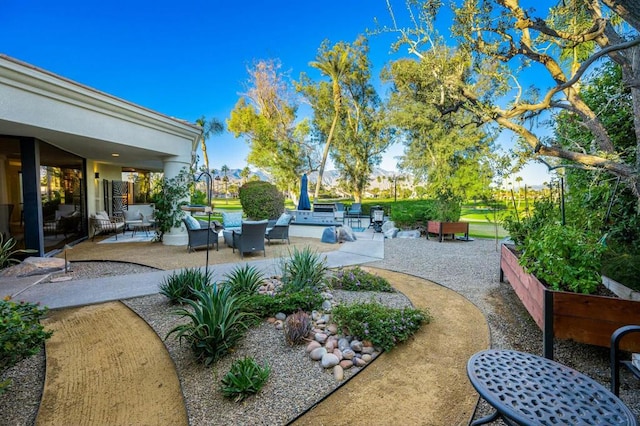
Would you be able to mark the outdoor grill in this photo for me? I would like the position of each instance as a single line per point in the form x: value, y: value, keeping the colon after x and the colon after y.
x: 376, y: 218
x: 324, y: 207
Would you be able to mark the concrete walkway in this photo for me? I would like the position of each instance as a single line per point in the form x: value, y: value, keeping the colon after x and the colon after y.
x: 369, y: 247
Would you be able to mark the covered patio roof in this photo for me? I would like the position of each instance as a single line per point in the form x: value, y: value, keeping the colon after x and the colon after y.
x: 91, y: 124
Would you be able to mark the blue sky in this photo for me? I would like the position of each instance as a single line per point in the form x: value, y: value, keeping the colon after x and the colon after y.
x: 188, y: 59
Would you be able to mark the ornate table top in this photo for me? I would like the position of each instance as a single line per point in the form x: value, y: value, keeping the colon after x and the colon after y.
x: 532, y: 390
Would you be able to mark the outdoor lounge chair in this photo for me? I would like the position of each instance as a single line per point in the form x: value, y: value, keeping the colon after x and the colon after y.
x: 250, y: 238
x: 200, y: 233
x: 101, y: 223
x: 279, y: 230
x: 132, y: 217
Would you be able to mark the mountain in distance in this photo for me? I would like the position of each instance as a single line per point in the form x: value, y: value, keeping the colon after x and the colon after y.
x: 330, y: 177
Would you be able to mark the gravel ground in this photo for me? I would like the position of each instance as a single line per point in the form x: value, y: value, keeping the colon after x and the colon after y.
x: 470, y: 268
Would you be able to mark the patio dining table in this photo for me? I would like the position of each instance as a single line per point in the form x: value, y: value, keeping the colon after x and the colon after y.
x: 526, y: 389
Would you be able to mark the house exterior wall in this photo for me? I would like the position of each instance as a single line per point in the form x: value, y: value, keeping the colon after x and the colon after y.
x: 37, y: 104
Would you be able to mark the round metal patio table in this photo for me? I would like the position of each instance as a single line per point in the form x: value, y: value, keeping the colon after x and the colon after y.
x: 526, y: 389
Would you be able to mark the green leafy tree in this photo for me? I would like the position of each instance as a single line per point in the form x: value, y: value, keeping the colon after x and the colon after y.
x: 594, y: 200
x: 499, y: 43
x: 332, y: 62
x: 168, y: 196
x: 225, y: 178
x: 245, y: 173
x: 266, y: 117
x: 449, y: 152
x: 209, y: 128
x: 350, y: 112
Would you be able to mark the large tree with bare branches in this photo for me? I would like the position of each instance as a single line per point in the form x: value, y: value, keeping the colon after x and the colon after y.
x: 266, y: 115
x: 516, y: 66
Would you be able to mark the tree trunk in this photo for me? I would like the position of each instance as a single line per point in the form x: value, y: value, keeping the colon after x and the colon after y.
x: 325, y: 154
x: 629, y: 10
x: 205, y: 158
x: 635, y: 99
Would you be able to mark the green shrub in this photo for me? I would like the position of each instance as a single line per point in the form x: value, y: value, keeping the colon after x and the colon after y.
x: 356, y: 279
x: 217, y: 322
x: 245, y: 280
x: 296, y: 327
x: 261, y: 200
x: 564, y: 257
x: 244, y: 378
x: 384, y: 327
x: 264, y: 305
x: 198, y: 198
x: 403, y: 219
x: 21, y: 334
x: 519, y: 228
x: 408, y: 214
x: 447, y: 207
x: 622, y: 267
x: 182, y: 284
x: 303, y: 269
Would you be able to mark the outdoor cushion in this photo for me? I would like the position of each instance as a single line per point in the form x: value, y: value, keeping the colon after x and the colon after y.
x: 132, y: 216
x: 284, y: 219
x: 102, y: 215
x: 191, y: 222
x: 232, y: 220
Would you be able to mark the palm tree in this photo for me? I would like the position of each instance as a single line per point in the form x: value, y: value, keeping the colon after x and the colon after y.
x: 209, y: 128
x: 225, y: 169
x: 335, y: 66
x: 245, y: 173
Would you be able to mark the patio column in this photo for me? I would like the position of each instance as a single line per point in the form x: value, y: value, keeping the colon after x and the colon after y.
x: 172, y: 166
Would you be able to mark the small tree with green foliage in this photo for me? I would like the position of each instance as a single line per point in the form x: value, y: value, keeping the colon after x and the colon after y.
x: 169, y: 195
x: 261, y: 200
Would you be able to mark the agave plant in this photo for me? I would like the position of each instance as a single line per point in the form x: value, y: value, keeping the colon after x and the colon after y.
x: 217, y: 322
x: 245, y: 280
x: 245, y: 378
x: 304, y: 269
x: 182, y: 284
x: 7, y: 252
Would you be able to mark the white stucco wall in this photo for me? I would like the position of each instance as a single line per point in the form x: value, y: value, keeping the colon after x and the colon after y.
x: 92, y: 125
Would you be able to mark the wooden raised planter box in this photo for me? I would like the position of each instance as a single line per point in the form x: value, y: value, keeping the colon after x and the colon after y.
x: 447, y: 228
x: 559, y: 314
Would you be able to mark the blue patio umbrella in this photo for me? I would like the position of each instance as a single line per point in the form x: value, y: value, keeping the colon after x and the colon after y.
x: 304, y: 203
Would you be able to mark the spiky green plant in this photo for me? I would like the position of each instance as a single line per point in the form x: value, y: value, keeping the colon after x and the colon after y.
x: 182, y: 284
x: 303, y: 269
x: 245, y: 280
x: 246, y: 377
x: 217, y: 322
x: 297, y: 327
x: 7, y: 252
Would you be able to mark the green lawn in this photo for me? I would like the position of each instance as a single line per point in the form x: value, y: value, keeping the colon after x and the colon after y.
x: 481, y: 219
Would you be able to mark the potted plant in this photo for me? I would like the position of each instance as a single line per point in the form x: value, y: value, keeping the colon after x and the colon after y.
x: 446, y: 217
x: 169, y: 196
x: 554, y: 269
